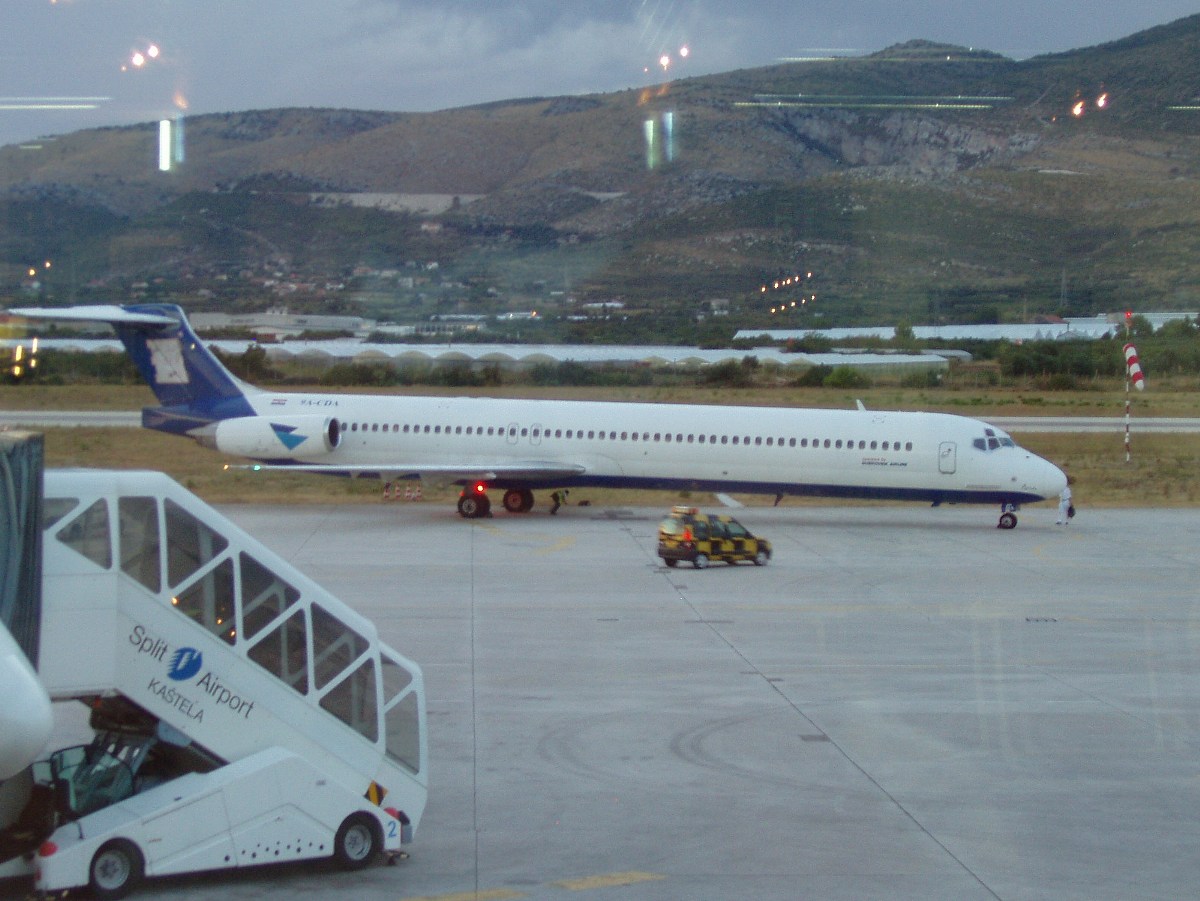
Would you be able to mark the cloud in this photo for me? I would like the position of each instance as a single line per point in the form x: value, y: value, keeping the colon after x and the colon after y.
x: 404, y: 55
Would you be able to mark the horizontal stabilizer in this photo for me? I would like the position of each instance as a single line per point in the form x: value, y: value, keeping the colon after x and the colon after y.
x: 101, y: 313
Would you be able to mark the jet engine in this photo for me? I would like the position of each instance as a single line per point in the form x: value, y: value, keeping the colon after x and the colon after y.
x: 269, y: 438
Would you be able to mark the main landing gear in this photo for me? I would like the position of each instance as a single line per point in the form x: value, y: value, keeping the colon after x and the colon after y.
x: 518, y: 500
x: 1008, y: 516
x: 473, y: 503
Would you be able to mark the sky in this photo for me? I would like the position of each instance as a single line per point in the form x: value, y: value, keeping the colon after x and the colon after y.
x: 72, y: 64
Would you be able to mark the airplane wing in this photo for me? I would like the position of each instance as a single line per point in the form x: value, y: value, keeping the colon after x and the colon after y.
x: 532, y: 470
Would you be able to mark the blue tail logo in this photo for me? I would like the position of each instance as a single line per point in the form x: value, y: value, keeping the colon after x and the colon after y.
x: 287, y: 436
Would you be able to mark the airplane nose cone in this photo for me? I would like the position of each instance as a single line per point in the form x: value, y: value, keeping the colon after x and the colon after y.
x: 1048, y: 478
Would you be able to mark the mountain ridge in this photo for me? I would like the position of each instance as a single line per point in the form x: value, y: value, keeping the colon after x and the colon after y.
x: 890, y: 151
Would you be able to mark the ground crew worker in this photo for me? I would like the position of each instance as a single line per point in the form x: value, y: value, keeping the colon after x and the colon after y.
x: 1064, y: 506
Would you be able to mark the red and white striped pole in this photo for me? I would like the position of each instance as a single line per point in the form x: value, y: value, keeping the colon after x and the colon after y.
x: 1133, y: 373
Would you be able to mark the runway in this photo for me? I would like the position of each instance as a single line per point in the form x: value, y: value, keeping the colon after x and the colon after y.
x: 906, y: 703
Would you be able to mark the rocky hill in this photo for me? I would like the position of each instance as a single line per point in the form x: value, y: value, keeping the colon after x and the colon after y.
x: 923, y: 181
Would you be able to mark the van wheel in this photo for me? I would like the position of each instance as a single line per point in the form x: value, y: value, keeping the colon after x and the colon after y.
x: 761, y: 558
x: 357, y: 842
x: 701, y: 561
x: 116, y: 870
x: 671, y: 563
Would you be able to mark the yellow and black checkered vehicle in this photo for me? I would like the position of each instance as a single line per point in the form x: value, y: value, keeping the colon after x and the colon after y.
x: 688, y: 534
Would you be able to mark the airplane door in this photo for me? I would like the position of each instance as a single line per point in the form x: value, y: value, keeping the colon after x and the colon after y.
x: 947, y: 452
x: 535, y: 433
x: 513, y: 431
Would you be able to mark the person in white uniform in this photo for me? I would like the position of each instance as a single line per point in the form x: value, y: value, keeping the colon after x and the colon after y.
x: 1064, y: 505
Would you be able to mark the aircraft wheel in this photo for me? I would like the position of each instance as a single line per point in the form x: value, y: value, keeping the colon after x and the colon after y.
x: 701, y: 561
x: 518, y: 500
x: 116, y: 870
x: 357, y: 842
x: 1007, y: 521
x: 473, y: 506
x: 761, y: 558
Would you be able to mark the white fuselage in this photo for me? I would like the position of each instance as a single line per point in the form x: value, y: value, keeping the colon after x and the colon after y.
x: 851, y: 453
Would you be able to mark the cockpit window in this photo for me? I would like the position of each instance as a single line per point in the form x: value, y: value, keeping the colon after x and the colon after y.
x: 992, y: 442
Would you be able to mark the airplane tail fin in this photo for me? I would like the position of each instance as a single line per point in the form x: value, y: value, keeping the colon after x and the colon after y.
x: 191, y: 384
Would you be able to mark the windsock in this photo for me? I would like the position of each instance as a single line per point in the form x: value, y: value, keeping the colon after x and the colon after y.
x: 1135, y: 370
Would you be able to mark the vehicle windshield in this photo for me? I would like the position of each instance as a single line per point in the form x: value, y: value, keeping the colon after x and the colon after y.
x: 672, y: 526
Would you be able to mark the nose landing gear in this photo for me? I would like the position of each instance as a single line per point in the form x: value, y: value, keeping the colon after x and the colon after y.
x: 1008, y: 516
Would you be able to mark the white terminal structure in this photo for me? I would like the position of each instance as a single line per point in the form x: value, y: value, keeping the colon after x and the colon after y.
x: 242, y: 714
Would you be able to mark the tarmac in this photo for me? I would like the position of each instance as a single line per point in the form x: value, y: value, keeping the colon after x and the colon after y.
x: 906, y: 702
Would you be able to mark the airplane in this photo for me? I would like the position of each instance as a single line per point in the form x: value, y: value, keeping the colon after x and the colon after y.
x: 518, y: 446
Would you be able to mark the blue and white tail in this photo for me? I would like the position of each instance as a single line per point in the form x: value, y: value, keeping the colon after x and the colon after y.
x: 191, y: 385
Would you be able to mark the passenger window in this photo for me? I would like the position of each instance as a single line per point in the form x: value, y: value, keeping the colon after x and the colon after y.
x: 87, y: 534
x: 55, y: 508
x: 264, y: 596
x: 354, y: 702
x: 283, y: 652
x: 335, y: 647
x: 138, y: 540
x: 209, y: 601
x: 190, y: 543
x: 402, y: 725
